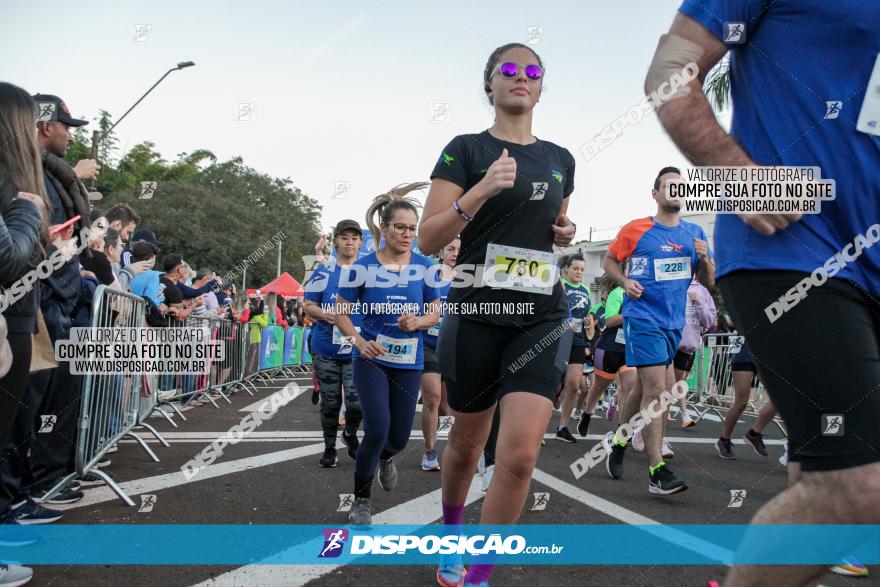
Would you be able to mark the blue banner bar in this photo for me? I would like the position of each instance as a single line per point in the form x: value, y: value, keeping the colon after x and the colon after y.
x: 526, y: 544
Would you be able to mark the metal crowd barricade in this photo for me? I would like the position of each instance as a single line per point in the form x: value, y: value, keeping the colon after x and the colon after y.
x: 714, y: 379
x: 111, y: 403
x: 272, y: 351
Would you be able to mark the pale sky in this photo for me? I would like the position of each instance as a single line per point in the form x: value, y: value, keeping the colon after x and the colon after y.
x: 345, y: 92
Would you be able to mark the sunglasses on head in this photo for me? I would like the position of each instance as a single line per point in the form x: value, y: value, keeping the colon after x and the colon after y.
x: 510, y: 70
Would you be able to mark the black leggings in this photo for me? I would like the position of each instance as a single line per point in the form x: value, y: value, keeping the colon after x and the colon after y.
x: 13, y: 385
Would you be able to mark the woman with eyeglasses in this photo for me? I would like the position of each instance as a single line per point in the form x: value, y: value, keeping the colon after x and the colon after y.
x: 394, y: 290
x: 505, y: 192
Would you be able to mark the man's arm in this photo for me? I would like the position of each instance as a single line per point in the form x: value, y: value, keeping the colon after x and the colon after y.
x: 614, y: 269
x: 691, y: 123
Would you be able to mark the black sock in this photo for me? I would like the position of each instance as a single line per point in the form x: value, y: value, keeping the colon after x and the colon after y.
x: 385, y: 454
x: 724, y: 439
x: 752, y: 432
x: 362, y: 487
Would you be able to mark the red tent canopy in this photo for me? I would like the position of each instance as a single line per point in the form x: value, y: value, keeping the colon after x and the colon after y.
x: 284, y: 285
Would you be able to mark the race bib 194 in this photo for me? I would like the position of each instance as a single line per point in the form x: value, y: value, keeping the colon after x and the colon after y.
x: 399, y: 350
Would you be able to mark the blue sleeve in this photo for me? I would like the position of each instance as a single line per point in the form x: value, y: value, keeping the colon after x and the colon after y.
x: 349, y: 293
x: 189, y: 292
x: 316, y: 284
x: 714, y: 14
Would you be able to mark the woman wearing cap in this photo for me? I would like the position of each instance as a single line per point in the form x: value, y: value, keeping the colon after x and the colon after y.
x: 506, y: 192
x: 331, y: 351
x: 394, y: 288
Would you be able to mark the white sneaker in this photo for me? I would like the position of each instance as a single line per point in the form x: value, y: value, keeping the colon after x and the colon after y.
x: 783, y: 460
x: 487, y: 478
x: 481, y: 464
x: 666, y: 450
x: 576, y: 415
x: 638, y: 442
x: 165, y: 395
x: 14, y: 575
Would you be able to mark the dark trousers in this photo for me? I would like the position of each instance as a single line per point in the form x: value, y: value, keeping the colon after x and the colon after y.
x: 337, y: 385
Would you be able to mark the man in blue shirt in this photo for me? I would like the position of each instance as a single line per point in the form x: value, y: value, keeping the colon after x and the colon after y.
x: 804, y: 85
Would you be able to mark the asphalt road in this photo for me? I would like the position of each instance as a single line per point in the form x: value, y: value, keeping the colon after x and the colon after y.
x: 272, y: 477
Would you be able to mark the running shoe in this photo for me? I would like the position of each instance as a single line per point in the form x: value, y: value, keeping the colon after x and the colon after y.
x: 850, y: 568
x: 725, y: 448
x: 352, y: 442
x: 387, y: 474
x: 612, y: 409
x: 584, y: 424
x: 481, y: 464
x: 104, y: 463
x: 783, y: 460
x: 664, y: 482
x: 451, y: 573
x: 30, y: 512
x: 688, y: 422
x: 361, y: 512
x: 614, y: 462
x: 666, y: 450
x: 556, y: 404
x: 90, y: 479
x: 64, y: 496
x: 756, y: 440
x: 487, y: 478
x: 329, y: 459
x: 564, y: 435
x: 576, y: 415
x: 14, y: 575
x: 638, y: 442
x: 430, y: 462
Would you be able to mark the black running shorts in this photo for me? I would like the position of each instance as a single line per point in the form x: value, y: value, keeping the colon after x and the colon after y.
x: 432, y: 365
x: 577, y: 355
x: 831, y: 419
x: 482, y: 362
x: 683, y: 361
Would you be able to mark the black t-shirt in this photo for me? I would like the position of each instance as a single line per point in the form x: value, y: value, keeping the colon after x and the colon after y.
x: 173, y: 295
x: 99, y: 264
x: 519, y: 217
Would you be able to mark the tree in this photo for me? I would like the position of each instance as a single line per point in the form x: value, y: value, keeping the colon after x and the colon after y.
x: 214, y: 213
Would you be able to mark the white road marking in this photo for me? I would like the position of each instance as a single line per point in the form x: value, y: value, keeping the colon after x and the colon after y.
x: 151, y: 484
x: 415, y: 512
x: 609, y: 508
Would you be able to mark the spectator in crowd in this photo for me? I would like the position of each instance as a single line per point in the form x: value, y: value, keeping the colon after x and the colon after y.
x: 113, y: 251
x: 94, y: 259
x: 276, y: 316
x: 205, y: 276
x: 147, y: 283
x: 123, y: 219
x: 141, y: 234
x: 255, y: 315
x: 290, y: 312
x: 42, y: 460
x: 23, y: 238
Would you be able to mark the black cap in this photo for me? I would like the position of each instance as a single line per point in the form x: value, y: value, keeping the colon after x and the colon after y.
x: 347, y: 225
x: 53, y: 109
x: 145, y: 234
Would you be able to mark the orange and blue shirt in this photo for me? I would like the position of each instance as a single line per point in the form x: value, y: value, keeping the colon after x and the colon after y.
x: 663, y: 260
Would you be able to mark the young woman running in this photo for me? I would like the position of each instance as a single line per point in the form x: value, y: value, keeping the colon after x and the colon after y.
x: 331, y: 352
x: 577, y: 297
x: 506, y: 193
x: 397, y: 302
x: 433, y: 388
x: 609, y: 361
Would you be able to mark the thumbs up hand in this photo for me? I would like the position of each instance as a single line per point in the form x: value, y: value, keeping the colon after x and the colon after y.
x: 501, y: 175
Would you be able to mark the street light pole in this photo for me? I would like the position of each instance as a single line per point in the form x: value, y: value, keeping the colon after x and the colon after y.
x: 279, y: 260
x: 97, y: 135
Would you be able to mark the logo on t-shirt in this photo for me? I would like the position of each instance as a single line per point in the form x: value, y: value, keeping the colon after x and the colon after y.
x: 557, y: 175
x: 669, y: 246
x: 539, y: 188
x: 448, y: 159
